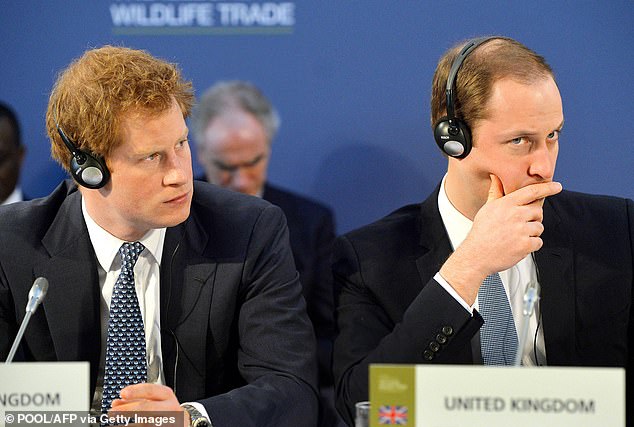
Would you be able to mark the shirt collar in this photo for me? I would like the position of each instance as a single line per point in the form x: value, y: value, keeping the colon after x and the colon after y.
x: 456, y: 224
x: 107, y: 246
x: 15, y: 196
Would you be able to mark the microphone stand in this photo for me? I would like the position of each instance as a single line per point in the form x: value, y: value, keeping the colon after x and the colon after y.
x: 36, y: 295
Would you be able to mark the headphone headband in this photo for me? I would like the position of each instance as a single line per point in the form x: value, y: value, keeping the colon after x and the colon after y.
x: 453, y: 72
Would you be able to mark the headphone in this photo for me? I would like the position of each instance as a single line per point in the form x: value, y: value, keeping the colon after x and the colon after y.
x: 87, y: 169
x: 452, y: 135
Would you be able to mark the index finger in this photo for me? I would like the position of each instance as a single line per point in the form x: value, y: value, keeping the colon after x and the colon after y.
x: 530, y: 193
x: 146, y: 391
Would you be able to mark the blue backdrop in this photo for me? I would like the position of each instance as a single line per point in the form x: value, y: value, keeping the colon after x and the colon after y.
x: 350, y: 78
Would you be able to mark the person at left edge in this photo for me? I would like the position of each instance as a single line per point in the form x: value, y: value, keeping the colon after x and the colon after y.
x: 12, y: 154
x: 226, y: 327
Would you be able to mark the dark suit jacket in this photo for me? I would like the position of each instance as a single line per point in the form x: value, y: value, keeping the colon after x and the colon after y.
x: 230, y: 300
x: 312, y: 232
x: 311, y: 227
x: 389, y: 308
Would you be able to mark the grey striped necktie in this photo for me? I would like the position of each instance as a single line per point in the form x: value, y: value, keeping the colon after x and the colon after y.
x: 498, y: 337
x: 125, y: 345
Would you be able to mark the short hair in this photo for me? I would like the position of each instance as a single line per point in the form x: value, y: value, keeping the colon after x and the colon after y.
x: 91, y: 97
x: 6, y: 111
x: 496, y: 59
x: 226, y: 96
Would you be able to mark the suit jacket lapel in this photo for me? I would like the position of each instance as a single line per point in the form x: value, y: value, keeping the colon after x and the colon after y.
x: 556, y: 275
x: 434, y: 240
x: 185, y: 269
x: 72, y: 303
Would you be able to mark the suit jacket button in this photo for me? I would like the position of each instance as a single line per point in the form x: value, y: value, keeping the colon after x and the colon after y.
x: 428, y: 355
x: 434, y: 346
x: 447, y: 330
x: 441, y: 338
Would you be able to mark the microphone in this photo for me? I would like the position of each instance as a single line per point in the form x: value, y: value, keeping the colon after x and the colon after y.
x: 531, y: 296
x: 36, y: 295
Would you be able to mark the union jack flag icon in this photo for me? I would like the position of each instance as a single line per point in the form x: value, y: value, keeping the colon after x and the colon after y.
x: 393, y: 415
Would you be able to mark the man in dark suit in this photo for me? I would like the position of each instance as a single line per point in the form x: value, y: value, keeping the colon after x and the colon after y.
x: 224, y: 336
x: 11, y: 156
x: 410, y: 283
x: 234, y: 127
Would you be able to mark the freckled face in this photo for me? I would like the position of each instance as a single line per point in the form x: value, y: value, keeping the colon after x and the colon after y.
x: 151, y: 182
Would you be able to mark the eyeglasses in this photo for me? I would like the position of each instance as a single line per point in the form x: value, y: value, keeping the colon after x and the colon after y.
x: 234, y: 167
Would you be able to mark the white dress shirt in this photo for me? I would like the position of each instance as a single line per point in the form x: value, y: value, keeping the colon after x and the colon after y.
x: 147, y: 283
x: 147, y: 279
x: 515, y: 281
x: 15, y: 196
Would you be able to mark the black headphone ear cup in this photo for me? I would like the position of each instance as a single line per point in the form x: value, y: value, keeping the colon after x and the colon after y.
x: 88, y: 170
x: 453, y: 137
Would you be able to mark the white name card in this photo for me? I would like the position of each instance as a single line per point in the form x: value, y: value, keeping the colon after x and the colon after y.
x: 474, y: 396
x: 43, y: 386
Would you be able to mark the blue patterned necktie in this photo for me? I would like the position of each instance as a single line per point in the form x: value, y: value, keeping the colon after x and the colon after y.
x: 498, y: 337
x: 125, y: 346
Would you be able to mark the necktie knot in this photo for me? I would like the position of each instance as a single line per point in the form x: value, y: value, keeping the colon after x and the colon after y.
x: 130, y: 252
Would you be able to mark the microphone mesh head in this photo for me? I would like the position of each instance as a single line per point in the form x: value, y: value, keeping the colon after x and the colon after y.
x: 42, y: 284
x: 37, y: 293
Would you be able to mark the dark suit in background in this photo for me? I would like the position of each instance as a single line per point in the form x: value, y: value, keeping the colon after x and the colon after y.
x: 312, y: 231
x: 230, y: 300
x: 390, y: 308
x: 311, y: 228
x: 234, y: 126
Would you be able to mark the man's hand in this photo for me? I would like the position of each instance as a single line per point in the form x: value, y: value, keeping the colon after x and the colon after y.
x: 505, y: 230
x: 150, y: 400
